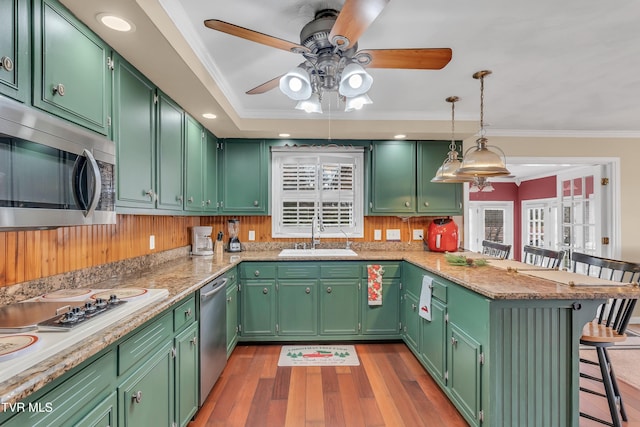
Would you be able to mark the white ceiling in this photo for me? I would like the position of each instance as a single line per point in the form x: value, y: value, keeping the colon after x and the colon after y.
x: 569, y: 67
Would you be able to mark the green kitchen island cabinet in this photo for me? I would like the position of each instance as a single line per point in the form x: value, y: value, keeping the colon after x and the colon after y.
x: 244, y: 177
x: 72, y: 68
x: 15, y: 67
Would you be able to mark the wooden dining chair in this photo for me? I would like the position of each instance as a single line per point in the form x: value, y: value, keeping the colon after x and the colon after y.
x: 542, y: 257
x: 608, y: 327
x: 495, y: 249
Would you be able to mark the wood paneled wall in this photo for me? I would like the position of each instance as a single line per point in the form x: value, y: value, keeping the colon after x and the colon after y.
x: 32, y: 254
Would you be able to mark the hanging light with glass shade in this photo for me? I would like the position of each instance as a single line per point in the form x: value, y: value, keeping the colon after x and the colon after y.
x: 447, y: 172
x: 480, y: 160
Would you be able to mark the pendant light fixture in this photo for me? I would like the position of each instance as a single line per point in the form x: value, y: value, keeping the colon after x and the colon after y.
x: 481, y: 160
x: 481, y: 184
x: 447, y: 172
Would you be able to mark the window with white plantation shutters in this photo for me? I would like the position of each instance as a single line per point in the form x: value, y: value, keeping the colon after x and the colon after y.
x: 320, y: 182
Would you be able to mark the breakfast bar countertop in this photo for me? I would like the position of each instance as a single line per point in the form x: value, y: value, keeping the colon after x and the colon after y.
x: 185, y: 275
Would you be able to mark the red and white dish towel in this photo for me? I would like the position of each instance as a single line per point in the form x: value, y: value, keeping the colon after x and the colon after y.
x: 374, y: 284
x: 425, y: 298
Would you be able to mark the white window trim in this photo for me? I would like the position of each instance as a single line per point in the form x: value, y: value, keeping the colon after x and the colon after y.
x: 355, y: 154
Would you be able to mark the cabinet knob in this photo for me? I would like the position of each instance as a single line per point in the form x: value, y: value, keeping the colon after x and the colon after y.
x: 187, y: 313
x: 265, y: 291
x: 229, y: 299
x: 190, y: 199
x: 426, y: 204
x: 6, y: 63
x: 407, y: 204
x: 307, y: 291
x: 256, y: 203
x: 256, y: 273
x: 208, y: 202
x: 58, y: 89
x: 413, y: 307
x: 454, y: 341
x: 329, y: 290
x: 179, y: 198
x: 137, y: 397
x: 150, y: 193
x: 194, y: 341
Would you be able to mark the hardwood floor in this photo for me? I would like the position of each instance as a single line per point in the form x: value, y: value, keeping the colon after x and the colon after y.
x: 389, y: 388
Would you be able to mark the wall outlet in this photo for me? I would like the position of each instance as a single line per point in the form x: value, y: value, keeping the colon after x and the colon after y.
x: 252, y: 235
x: 377, y: 234
x: 418, y: 234
x: 393, y: 235
x: 152, y: 242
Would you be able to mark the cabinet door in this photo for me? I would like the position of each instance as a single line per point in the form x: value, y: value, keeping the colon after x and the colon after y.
x: 297, y: 307
x: 169, y: 147
x: 232, y: 316
x: 186, y: 344
x: 410, y: 331
x: 393, y: 178
x: 258, y: 308
x: 193, y: 190
x: 433, y: 341
x: 135, y: 136
x: 383, y: 319
x: 146, y: 398
x: 105, y: 414
x: 244, y: 177
x: 15, y: 70
x: 436, y: 198
x: 210, y: 173
x: 339, y: 306
x: 464, y: 371
x: 71, y: 78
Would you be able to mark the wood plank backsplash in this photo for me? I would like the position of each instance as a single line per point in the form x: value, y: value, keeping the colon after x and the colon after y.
x: 32, y: 254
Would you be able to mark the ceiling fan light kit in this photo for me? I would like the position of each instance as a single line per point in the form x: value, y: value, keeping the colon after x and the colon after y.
x: 480, y: 160
x: 332, y: 62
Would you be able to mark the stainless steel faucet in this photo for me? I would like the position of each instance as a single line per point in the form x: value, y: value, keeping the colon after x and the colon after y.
x: 348, y: 243
x: 316, y: 227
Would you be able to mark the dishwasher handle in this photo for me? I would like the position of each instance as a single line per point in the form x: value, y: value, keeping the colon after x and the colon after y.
x: 217, y: 286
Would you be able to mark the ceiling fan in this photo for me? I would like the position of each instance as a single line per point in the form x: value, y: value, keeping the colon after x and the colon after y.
x: 329, y: 45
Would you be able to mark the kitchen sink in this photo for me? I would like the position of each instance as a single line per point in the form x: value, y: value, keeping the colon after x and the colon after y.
x: 310, y: 253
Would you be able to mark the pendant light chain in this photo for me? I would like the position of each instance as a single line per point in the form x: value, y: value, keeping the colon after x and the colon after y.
x: 481, y: 105
x: 453, y: 100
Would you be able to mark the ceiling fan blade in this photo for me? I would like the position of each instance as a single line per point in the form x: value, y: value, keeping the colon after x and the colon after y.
x: 412, y: 59
x: 355, y: 17
x: 266, y: 86
x: 254, y: 36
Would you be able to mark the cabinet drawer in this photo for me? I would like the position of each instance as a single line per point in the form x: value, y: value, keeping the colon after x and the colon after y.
x: 340, y: 270
x: 297, y: 270
x: 253, y: 270
x: 439, y: 290
x: 389, y: 271
x: 184, y: 314
x: 136, y: 348
x: 232, y: 276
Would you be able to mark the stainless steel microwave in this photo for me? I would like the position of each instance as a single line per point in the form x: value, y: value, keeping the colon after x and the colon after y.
x: 52, y: 173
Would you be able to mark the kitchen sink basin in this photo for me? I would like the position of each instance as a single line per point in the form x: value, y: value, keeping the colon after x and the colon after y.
x: 310, y: 253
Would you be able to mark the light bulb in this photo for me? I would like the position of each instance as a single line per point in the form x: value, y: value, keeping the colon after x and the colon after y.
x: 355, y: 81
x: 295, y: 84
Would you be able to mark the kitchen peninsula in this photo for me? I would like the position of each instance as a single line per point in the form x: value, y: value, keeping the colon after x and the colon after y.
x: 505, y: 350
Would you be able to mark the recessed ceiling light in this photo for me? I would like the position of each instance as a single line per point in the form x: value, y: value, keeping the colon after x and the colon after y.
x: 115, y: 22
x: 209, y: 116
x: 400, y: 136
x: 284, y: 135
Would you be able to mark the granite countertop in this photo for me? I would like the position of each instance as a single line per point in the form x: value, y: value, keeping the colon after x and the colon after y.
x: 183, y: 276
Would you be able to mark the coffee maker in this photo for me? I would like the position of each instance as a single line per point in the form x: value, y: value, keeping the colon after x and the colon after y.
x: 201, y: 243
x: 234, y: 230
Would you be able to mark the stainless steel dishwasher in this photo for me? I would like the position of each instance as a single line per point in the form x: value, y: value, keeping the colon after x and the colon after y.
x: 213, y: 334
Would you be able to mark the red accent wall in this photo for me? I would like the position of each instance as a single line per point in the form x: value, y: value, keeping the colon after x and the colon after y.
x: 534, y: 189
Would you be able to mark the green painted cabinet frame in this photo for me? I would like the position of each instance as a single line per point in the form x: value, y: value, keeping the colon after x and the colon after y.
x: 186, y: 374
x: 436, y: 198
x: 72, y: 68
x: 15, y: 49
x: 169, y: 153
x: 244, y: 177
x: 393, y: 178
x: 233, y: 307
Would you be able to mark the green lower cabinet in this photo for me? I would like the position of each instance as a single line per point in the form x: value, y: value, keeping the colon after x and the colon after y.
x: 411, y: 322
x: 297, y: 307
x: 146, y: 398
x: 186, y: 395
x: 339, y: 303
x: 232, y: 315
x: 433, y: 341
x: 464, y: 375
x: 258, y: 308
x: 383, y: 319
x: 105, y: 414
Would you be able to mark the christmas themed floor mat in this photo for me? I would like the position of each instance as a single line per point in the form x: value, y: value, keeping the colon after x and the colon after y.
x: 318, y: 355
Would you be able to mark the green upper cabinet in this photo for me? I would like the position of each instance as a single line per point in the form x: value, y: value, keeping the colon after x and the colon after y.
x: 210, y: 173
x: 135, y: 135
x: 72, y: 68
x: 201, y: 169
x: 169, y: 149
x: 393, y: 178
x: 14, y: 49
x: 244, y: 177
x: 436, y: 198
